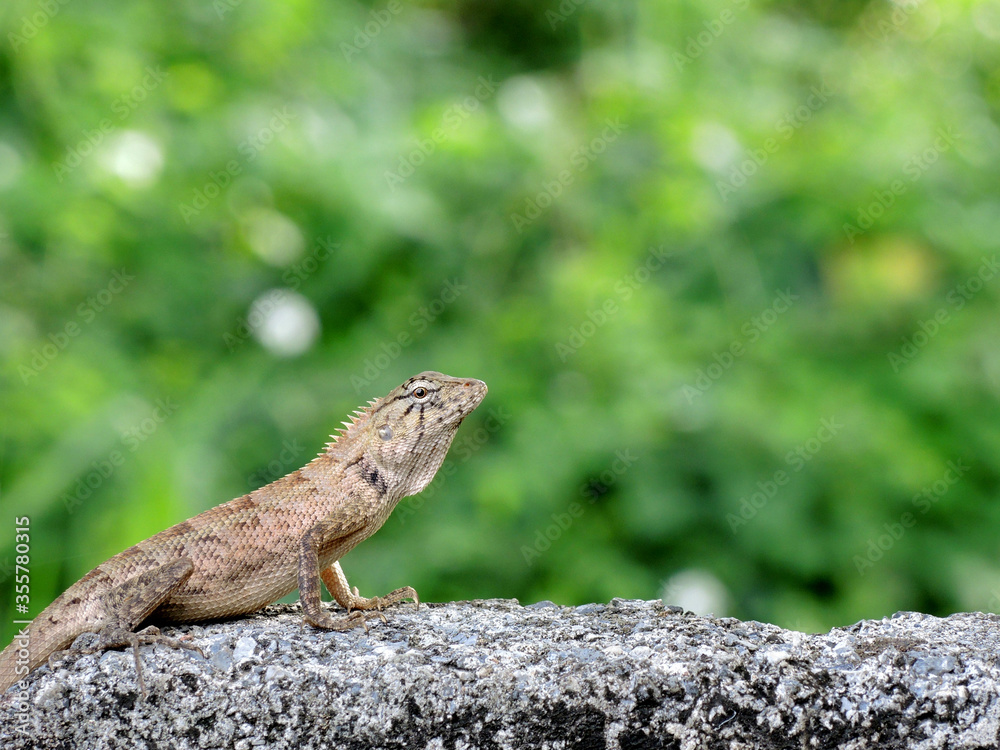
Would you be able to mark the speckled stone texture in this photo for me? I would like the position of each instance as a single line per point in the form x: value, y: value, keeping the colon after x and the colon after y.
x: 494, y: 674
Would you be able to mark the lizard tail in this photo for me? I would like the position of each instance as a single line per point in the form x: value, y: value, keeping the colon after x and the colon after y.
x: 30, y: 649
x: 15, y: 660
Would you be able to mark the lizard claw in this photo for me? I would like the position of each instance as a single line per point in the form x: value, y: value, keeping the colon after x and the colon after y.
x: 359, y: 618
x: 182, y: 642
x: 58, y: 658
x: 191, y: 647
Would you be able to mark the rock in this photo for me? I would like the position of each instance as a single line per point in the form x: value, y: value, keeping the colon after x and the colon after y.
x: 494, y: 674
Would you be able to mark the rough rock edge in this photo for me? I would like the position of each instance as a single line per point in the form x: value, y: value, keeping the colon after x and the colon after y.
x: 494, y: 674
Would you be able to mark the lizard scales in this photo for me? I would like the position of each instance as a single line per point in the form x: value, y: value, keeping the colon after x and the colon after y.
x: 238, y: 557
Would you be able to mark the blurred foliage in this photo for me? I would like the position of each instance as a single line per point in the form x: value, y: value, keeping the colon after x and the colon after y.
x: 676, y: 239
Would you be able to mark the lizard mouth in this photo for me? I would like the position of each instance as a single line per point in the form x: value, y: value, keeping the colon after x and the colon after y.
x: 468, y: 401
x: 479, y: 391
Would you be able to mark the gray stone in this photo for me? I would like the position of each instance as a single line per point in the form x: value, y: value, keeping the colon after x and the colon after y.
x: 244, y: 649
x: 494, y: 674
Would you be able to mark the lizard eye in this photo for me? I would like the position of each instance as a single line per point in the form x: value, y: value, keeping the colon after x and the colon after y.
x: 420, y: 393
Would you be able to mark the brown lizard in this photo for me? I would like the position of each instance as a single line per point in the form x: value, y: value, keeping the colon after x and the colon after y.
x: 238, y: 557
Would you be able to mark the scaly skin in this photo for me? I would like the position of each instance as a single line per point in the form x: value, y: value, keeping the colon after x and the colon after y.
x: 242, y: 555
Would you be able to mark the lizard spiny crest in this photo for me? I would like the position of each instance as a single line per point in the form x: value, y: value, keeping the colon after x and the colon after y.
x: 359, y: 416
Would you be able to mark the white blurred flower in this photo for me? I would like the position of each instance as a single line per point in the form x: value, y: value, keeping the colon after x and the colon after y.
x: 273, y: 236
x: 284, y: 322
x: 10, y: 165
x: 714, y: 146
x: 524, y: 103
x: 134, y: 157
x: 697, y: 591
x: 986, y: 18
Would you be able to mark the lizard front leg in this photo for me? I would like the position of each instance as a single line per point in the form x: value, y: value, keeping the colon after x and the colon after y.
x: 334, y: 526
x: 349, y: 598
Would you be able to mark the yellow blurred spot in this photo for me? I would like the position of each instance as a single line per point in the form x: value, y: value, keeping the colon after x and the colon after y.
x: 887, y: 270
x: 191, y: 87
x: 86, y: 224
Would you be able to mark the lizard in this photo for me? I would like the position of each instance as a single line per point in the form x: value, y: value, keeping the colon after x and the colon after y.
x: 240, y: 556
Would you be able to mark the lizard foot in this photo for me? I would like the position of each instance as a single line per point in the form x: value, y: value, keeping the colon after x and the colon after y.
x: 381, y: 602
x: 150, y: 636
x: 352, y: 620
x: 116, y: 637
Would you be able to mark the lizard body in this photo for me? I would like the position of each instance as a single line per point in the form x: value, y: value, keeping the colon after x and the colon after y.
x: 238, y: 557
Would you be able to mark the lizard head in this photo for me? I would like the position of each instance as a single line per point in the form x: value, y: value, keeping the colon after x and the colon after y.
x: 408, y: 432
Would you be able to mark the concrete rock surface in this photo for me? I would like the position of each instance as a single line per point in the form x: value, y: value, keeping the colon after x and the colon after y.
x: 494, y: 674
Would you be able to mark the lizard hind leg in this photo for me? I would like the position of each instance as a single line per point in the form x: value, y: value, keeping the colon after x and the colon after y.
x: 349, y: 598
x: 132, y: 601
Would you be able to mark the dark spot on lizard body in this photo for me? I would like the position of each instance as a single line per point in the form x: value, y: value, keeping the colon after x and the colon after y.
x: 213, y: 540
x: 182, y: 530
x: 371, y: 474
x: 297, y: 477
x: 248, y: 523
x: 241, y: 503
x: 134, y: 551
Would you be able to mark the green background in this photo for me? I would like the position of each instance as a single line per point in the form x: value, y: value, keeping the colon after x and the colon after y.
x: 681, y: 233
